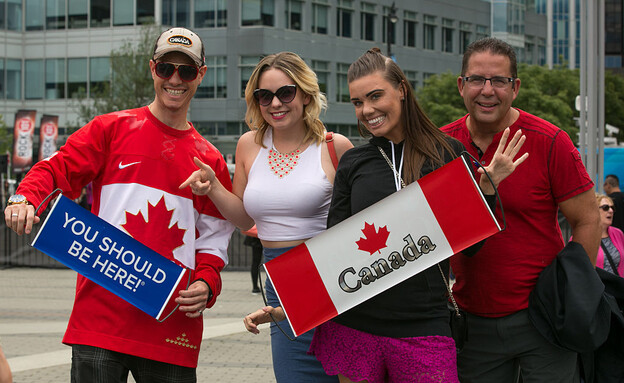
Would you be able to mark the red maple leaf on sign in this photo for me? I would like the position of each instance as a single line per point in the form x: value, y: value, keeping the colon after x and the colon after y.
x: 375, y: 239
x: 155, y: 234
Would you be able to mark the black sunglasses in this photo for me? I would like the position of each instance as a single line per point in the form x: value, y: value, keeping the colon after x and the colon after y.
x: 187, y: 73
x: 606, y: 207
x: 285, y: 94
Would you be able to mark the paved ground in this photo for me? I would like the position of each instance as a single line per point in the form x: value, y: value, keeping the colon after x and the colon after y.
x: 35, y: 305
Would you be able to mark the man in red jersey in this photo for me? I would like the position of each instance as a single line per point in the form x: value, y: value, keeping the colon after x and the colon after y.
x: 136, y: 160
x: 493, y: 286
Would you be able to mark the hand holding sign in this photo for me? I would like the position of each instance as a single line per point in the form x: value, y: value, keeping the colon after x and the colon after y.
x: 20, y: 218
x: 193, y: 300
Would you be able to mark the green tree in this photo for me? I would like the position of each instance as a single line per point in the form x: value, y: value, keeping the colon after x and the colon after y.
x: 614, y: 102
x: 131, y: 84
x: 440, y: 99
x: 6, y: 136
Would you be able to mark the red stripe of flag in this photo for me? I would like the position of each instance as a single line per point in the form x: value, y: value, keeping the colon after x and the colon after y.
x: 455, y: 183
x: 301, y: 289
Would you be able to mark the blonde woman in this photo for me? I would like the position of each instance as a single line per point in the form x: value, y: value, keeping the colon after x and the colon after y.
x: 282, y: 182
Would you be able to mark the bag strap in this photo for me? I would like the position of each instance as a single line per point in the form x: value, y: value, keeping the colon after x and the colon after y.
x: 609, y: 258
x: 329, y: 138
x: 448, y: 287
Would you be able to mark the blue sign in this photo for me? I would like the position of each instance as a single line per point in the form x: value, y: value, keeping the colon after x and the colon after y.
x: 109, y: 257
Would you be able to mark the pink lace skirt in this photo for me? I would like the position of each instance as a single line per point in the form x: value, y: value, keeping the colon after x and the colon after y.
x: 362, y: 356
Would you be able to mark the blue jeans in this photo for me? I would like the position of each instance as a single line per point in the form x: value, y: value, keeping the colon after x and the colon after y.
x: 291, y: 362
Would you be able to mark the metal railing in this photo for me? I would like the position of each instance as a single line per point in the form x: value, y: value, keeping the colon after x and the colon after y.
x: 16, y: 251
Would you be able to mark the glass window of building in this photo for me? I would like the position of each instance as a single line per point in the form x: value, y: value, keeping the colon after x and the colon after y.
x: 123, y: 12
x: 342, y: 94
x: 2, y: 84
x: 447, y: 35
x: 386, y: 21
x: 34, y: 15
x: 33, y: 88
x: 258, y: 12
x: 247, y: 65
x: 100, y: 13
x: 412, y: 77
x: 176, y: 12
x: 76, y: 77
x: 409, y: 28
x: 77, y: 13
x: 13, y: 79
x: 367, y: 22
x: 55, y: 79
x: 293, y: 14
x: 99, y: 75
x: 214, y: 84
x: 465, y: 36
x: 145, y: 12
x: 429, y: 28
x: 320, y: 17
x: 321, y: 68
x: 55, y: 14
x: 482, y: 32
x: 14, y: 15
x: 2, y: 19
x: 210, y: 14
x: 344, y: 18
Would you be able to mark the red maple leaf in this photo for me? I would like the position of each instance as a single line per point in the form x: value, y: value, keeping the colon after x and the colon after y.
x: 155, y: 234
x: 375, y: 240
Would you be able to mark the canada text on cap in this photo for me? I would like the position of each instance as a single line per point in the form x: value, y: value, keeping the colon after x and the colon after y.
x: 180, y: 40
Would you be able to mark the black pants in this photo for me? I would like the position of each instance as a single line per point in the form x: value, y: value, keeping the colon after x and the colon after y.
x: 97, y: 365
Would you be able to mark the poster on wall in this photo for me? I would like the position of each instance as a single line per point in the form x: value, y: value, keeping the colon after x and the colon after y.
x: 48, y: 134
x: 23, y: 132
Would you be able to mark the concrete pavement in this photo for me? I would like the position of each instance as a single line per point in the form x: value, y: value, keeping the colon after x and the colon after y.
x: 35, y: 305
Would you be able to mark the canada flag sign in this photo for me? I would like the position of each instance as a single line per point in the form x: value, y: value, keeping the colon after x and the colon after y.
x: 381, y: 246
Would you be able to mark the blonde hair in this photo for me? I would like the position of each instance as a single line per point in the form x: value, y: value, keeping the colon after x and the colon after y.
x: 297, y: 70
x: 600, y: 196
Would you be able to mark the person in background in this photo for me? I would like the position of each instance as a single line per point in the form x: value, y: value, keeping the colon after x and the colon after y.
x: 282, y: 182
x: 612, y: 242
x: 136, y: 160
x: 493, y: 286
x: 612, y: 189
x: 251, y: 240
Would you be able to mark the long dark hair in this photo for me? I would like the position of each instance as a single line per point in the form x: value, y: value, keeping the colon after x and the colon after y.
x: 423, y: 140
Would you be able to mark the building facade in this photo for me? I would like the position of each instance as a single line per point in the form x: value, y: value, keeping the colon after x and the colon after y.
x: 53, y: 50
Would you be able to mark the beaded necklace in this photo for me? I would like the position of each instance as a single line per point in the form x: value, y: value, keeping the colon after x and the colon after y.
x: 283, y: 164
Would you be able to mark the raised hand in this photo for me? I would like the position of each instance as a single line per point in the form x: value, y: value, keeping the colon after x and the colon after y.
x: 503, y: 164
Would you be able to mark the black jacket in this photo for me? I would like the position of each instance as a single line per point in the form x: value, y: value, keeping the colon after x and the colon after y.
x: 416, y: 306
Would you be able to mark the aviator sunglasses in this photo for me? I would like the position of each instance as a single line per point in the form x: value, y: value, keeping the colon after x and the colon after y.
x: 285, y: 94
x: 606, y: 207
x: 187, y: 73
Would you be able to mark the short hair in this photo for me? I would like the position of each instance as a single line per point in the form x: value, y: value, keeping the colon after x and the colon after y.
x: 600, y: 196
x: 494, y: 46
x: 297, y: 70
x: 612, y: 180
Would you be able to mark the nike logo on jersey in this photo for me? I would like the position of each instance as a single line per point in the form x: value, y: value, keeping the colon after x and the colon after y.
x: 123, y: 166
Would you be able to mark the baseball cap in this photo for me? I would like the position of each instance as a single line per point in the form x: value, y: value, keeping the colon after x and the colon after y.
x: 180, y: 40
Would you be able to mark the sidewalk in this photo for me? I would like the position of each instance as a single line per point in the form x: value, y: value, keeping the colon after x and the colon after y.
x: 35, y: 305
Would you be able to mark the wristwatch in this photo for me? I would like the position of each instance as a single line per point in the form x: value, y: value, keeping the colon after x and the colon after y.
x: 17, y: 199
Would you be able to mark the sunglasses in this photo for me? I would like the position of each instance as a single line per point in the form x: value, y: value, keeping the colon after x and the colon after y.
x: 606, y: 207
x: 285, y: 94
x: 187, y: 73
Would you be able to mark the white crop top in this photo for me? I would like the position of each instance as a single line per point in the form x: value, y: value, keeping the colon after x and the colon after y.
x: 292, y: 207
